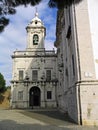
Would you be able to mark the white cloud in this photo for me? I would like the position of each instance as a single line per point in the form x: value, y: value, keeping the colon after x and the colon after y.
x: 49, y: 44
x: 14, y: 36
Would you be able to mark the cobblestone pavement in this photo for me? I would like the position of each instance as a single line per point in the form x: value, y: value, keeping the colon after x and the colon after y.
x: 37, y: 120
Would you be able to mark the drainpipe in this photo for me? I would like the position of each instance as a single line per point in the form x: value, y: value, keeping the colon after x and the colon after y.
x: 79, y: 68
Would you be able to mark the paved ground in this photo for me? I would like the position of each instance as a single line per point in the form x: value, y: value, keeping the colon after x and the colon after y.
x: 37, y: 120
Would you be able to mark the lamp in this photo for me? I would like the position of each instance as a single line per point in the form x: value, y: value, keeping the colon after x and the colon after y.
x: 26, y: 81
x: 43, y: 76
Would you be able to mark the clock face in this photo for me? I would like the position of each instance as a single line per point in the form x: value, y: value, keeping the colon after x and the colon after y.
x: 35, y: 39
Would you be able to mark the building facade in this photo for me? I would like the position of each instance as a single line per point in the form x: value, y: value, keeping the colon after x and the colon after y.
x: 34, y: 77
x: 77, y: 90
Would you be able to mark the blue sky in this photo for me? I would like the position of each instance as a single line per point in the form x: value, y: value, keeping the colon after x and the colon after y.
x: 14, y: 36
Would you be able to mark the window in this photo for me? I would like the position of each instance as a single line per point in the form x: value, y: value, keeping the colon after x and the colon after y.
x: 69, y: 32
x: 20, y: 95
x: 48, y: 75
x: 20, y: 74
x: 68, y: 35
x: 35, y: 75
x: 49, y: 95
x: 69, y: 15
x: 66, y: 72
x: 35, y: 39
x: 73, y: 65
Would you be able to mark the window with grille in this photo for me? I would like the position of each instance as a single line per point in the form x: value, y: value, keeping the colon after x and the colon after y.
x: 49, y: 95
x: 20, y: 74
x: 34, y: 75
x: 20, y: 95
x: 48, y: 75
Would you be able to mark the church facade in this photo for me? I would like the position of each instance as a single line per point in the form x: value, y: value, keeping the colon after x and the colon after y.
x: 65, y: 79
x: 34, y: 77
x: 77, y: 84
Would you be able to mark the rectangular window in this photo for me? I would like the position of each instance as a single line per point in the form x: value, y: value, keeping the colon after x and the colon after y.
x: 69, y: 15
x: 73, y: 65
x: 20, y: 74
x: 34, y: 75
x: 48, y: 75
x: 20, y: 95
x: 68, y: 32
x: 49, y: 95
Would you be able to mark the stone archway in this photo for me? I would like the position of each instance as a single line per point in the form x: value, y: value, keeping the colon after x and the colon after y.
x: 34, y: 96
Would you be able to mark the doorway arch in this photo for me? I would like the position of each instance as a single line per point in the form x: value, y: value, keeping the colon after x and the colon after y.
x: 34, y: 96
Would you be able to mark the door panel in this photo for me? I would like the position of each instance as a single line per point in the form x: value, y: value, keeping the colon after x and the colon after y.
x: 34, y: 96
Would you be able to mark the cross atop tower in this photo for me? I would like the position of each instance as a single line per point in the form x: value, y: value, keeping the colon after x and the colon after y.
x: 36, y: 13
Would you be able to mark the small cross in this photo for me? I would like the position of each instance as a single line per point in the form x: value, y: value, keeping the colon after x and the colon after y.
x: 36, y: 13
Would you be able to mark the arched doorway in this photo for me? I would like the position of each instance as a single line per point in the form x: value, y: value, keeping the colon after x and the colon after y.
x: 34, y: 96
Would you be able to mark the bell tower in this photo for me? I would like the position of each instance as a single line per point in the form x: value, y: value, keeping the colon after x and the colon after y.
x: 35, y: 33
